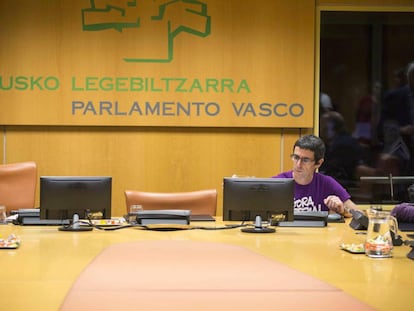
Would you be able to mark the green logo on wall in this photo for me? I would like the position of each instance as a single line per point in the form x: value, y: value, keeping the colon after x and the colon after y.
x: 175, y: 16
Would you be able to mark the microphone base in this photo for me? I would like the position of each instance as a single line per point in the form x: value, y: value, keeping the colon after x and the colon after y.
x: 80, y: 229
x: 258, y: 230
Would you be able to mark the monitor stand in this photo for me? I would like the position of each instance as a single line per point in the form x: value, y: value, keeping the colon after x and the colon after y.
x: 75, y: 227
x: 258, y: 227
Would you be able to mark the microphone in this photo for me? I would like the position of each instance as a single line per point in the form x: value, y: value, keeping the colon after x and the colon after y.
x: 75, y: 222
x: 258, y: 222
x: 75, y: 227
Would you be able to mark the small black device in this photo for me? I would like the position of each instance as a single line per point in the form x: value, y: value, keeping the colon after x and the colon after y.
x: 159, y: 217
x: 359, y: 220
x: 31, y: 217
x: 316, y: 219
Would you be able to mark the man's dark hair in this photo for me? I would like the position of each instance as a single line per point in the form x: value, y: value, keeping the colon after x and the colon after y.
x: 312, y: 143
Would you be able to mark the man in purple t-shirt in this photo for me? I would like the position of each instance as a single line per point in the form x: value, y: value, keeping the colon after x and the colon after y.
x: 315, y: 191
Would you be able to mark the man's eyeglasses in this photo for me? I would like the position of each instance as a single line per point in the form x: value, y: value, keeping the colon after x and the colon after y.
x: 304, y: 160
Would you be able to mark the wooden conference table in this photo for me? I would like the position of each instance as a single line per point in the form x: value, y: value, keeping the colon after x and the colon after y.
x: 40, y: 273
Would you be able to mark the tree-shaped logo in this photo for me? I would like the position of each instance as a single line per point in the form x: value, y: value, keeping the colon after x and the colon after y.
x: 173, y: 17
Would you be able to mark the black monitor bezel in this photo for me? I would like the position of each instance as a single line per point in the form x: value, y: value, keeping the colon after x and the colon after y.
x: 240, y: 205
x: 98, y: 199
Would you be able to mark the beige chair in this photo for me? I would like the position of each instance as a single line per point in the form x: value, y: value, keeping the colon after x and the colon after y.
x: 18, y: 185
x: 202, y: 202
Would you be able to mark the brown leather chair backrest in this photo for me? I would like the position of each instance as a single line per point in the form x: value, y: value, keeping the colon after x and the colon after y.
x: 18, y: 185
x: 202, y: 202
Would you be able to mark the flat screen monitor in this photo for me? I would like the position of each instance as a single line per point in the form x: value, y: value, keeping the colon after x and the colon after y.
x: 246, y: 198
x: 61, y: 197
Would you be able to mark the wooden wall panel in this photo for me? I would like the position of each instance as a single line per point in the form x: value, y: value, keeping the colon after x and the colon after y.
x: 2, y: 142
x: 265, y: 51
x: 271, y: 45
x: 289, y: 136
x: 165, y: 159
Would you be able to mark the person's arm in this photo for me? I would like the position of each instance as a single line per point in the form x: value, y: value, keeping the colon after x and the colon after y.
x: 335, y: 204
x: 349, y: 205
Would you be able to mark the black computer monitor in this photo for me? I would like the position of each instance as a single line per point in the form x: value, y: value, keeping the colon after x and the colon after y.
x: 61, y: 197
x: 246, y: 198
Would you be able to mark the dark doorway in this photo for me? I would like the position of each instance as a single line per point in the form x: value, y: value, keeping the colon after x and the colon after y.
x: 364, y: 57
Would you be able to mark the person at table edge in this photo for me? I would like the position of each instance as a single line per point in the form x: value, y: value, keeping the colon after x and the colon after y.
x: 315, y: 191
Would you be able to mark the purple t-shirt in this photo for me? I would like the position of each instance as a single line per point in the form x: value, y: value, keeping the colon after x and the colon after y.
x: 310, y: 197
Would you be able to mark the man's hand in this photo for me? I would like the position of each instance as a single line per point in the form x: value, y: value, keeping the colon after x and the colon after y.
x: 335, y: 204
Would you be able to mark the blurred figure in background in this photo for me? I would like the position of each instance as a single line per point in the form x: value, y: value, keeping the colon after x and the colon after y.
x: 343, y: 152
x: 325, y: 103
x: 398, y: 106
x: 367, y: 117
